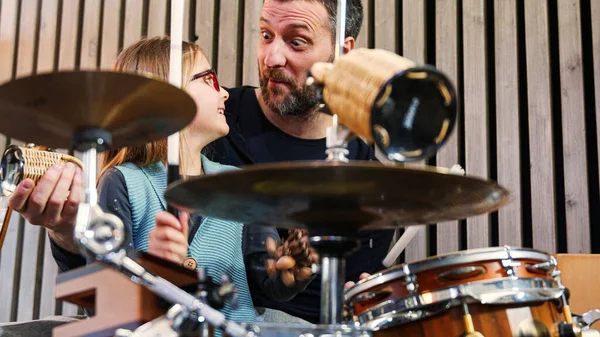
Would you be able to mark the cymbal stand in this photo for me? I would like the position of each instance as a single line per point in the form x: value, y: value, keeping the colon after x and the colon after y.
x: 334, y: 247
x: 337, y: 141
x: 102, y: 236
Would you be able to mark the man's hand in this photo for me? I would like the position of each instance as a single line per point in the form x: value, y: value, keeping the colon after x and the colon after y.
x: 293, y: 258
x: 351, y: 284
x: 168, y: 240
x: 52, y: 203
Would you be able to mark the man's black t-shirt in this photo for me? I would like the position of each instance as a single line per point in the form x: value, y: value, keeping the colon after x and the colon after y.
x: 253, y: 139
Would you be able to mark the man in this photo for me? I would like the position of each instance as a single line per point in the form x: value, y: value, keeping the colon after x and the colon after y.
x: 279, y: 122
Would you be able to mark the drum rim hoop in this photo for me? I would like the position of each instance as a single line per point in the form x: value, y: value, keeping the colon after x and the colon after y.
x: 446, y: 260
x: 455, y: 295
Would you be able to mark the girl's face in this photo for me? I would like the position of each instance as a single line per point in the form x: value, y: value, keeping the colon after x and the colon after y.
x: 210, y: 101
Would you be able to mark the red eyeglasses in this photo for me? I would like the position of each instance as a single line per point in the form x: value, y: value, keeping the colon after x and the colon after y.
x: 210, y: 77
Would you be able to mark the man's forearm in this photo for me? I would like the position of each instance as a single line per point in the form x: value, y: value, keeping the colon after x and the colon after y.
x: 65, y: 240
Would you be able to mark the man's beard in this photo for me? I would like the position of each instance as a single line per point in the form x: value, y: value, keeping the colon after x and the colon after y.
x: 300, y: 101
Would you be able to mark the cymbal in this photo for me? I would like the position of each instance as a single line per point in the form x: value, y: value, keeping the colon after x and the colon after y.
x: 49, y: 109
x: 337, y: 196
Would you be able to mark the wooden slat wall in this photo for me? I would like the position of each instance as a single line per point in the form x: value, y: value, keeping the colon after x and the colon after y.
x: 67, y: 51
x: 476, y: 109
x: 205, y: 27
x: 110, y: 33
x: 446, y: 57
x: 157, y: 18
x: 414, y: 48
x: 134, y: 11
x: 541, y: 140
x: 90, y: 40
x: 525, y: 102
x: 507, y: 118
x: 47, y: 38
x: 573, y: 127
x: 228, y: 42
x: 251, y: 38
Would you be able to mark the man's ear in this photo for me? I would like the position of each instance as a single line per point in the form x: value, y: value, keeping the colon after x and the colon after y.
x: 349, y: 44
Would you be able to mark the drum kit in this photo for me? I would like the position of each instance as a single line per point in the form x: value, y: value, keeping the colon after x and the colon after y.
x: 406, y: 111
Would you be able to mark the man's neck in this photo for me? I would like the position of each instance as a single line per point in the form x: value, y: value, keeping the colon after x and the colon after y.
x: 312, y: 126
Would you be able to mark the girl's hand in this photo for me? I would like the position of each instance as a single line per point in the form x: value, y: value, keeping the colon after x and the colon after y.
x: 168, y: 240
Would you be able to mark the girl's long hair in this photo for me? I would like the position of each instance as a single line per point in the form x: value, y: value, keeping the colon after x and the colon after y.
x: 149, y: 57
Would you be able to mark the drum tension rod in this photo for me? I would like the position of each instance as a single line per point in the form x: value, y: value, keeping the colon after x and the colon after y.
x: 469, y: 327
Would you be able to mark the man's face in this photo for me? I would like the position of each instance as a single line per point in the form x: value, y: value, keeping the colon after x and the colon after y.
x: 294, y: 35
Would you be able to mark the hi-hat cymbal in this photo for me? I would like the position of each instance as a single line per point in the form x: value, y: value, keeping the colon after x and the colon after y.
x: 50, y: 109
x: 337, y: 196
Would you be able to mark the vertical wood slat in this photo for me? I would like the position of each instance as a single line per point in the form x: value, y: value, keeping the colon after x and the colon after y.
x: 539, y: 107
x: 413, y: 48
x: 384, y: 37
x: 476, y: 110
x: 573, y: 127
x: 446, y: 55
x: 27, y: 26
x: 205, y: 13
x: 157, y: 18
x: 47, y: 37
x: 25, y: 67
x: 110, y: 33
x: 8, y: 32
x: 595, y: 14
x: 68, y: 35
x: 362, y: 41
x: 228, y: 40
x: 251, y: 38
x: 28, y: 272
x: 132, y: 30
x: 8, y: 261
x: 385, y: 25
x: 50, y: 270
x: 507, y: 119
x: 187, y: 8
x: 90, y: 35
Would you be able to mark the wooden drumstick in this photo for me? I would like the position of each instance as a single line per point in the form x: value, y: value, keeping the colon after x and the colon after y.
x: 469, y: 327
x: 408, y: 235
x: 4, y: 227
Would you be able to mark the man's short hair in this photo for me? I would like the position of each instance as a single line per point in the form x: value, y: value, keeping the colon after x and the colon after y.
x: 354, y: 15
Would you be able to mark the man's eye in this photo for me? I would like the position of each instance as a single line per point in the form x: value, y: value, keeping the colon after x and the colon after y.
x: 298, y: 42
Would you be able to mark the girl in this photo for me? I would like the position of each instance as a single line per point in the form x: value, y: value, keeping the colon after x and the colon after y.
x: 133, y: 180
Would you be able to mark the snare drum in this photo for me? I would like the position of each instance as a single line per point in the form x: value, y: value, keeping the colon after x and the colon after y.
x: 498, y: 292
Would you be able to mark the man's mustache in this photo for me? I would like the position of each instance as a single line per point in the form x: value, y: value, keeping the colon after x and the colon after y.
x: 278, y: 77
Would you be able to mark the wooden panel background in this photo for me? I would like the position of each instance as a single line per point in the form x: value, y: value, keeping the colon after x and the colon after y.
x: 527, y: 73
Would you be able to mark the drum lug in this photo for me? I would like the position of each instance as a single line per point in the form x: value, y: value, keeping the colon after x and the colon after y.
x: 588, y: 318
x: 544, y: 267
x: 509, y: 267
x: 410, y: 280
x: 508, y: 263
